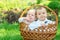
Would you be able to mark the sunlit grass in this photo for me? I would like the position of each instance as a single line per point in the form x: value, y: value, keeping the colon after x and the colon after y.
x: 3, y: 33
x: 58, y: 33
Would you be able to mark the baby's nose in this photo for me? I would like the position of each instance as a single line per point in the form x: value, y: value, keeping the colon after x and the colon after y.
x: 30, y: 15
x: 42, y: 14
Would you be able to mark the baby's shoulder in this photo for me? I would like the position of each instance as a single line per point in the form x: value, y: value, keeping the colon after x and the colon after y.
x: 50, y: 21
x: 33, y: 22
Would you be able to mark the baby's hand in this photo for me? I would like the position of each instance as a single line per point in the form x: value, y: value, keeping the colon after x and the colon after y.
x: 43, y: 25
x: 26, y: 18
x: 53, y: 22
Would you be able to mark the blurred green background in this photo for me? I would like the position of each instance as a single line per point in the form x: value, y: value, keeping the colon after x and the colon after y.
x: 10, y: 10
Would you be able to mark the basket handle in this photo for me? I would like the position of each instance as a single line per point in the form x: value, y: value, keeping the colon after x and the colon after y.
x: 43, y: 6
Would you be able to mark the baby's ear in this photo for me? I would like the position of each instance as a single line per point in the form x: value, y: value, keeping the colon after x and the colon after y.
x: 35, y: 17
x: 46, y: 14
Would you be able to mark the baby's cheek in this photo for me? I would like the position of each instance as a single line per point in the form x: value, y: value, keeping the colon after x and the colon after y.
x: 33, y: 18
x: 45, y: 15
x: 38, y: 16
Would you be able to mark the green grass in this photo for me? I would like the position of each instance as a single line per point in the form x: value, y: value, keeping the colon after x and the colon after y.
x: 11, y: 32
x: 58, y: 33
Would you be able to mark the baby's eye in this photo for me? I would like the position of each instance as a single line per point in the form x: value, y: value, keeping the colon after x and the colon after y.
x: 32, y: 15
x: 43, y: 13
x: 39, y: 14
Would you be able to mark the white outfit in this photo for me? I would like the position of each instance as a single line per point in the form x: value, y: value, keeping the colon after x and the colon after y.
x: 36, y: 24
x: 39, y: 23
x: 23, y: 20
x: 46, y: 22
x: 33, y: 25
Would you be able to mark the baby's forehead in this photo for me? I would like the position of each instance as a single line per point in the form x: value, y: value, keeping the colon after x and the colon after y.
x: 31, y: 11
x: 41, y: 10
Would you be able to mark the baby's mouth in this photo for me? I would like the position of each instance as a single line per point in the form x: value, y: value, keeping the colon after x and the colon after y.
x: 42, y: 17
x: 30, y: 18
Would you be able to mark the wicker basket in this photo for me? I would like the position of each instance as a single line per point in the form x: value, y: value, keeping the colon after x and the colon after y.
x: 41, y: 33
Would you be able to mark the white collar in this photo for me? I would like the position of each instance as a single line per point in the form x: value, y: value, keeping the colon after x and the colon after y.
x: 42, y: 21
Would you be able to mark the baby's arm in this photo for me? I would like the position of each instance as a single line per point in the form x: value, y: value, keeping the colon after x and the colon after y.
x: 21, y: 19
x: 52, y: 22
x: 43, y: 25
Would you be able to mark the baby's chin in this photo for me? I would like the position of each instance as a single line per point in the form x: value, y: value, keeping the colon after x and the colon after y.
x: 42, y: 19
x: 31, y: 20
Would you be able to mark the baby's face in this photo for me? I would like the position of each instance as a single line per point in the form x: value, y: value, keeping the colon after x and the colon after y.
x: 31, y: 15
x: 41, y: 14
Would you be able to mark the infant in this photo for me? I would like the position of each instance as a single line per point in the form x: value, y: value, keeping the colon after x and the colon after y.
x: 42, y: 17
x: 29, y: 19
